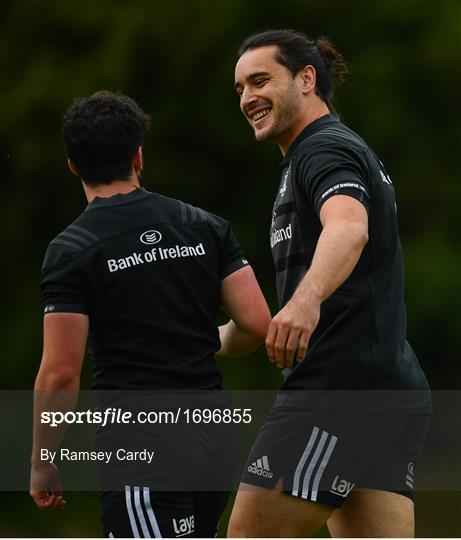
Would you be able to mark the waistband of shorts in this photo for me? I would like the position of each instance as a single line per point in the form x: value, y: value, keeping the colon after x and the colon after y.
x: 410, y: 402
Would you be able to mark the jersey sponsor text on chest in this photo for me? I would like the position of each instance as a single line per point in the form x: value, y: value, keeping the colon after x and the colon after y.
x: 278, y: 235
x: 155, y: 255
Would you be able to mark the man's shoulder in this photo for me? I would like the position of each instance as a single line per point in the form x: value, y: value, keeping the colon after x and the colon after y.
x: 69, y: 243
x: 334, y: 145
x: 189, y: 214
x: 335, y: 136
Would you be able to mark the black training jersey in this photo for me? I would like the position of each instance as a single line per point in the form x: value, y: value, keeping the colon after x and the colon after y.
x: 147, y: 270
x: 360, y: 340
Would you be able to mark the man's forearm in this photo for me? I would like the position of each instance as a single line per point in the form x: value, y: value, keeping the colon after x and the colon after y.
x: 338, y: 250
x: 237, y: 341
x: 51, y: 393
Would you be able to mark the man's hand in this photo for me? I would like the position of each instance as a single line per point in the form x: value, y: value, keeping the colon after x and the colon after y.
x: 290, y: 330
x: 45, y: 487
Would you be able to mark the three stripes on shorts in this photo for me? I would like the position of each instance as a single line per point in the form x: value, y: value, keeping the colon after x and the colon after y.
x: 318, y: 451
x: 140, y: 512
x: 313, y: 463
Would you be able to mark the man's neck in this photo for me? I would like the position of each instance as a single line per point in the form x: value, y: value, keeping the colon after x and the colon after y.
x: 117, y: 187
x: 307, y: 118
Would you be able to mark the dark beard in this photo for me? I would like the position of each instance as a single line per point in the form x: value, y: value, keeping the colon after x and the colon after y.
x: 286, y: 116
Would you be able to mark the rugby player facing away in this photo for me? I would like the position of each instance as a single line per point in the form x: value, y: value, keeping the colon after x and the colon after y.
x: 340, y: 444
x: 143, y: 276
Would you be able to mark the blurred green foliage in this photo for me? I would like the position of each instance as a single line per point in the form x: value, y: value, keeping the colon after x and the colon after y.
x: 177, y: 58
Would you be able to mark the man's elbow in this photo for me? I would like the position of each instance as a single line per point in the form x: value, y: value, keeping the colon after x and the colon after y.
x: 57, y: 379
x: 359, y: 232
x: 264, y: 325
x: 363, y: 238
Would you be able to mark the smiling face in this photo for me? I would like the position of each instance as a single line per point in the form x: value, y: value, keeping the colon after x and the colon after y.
x: 270, y: 97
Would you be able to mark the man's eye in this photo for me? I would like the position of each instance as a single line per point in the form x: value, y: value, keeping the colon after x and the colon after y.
x: 260, y: 82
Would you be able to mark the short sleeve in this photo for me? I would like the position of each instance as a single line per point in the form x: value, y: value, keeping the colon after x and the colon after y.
x: 231, y: 257
x: 326, y: 170
x: 63, y: 287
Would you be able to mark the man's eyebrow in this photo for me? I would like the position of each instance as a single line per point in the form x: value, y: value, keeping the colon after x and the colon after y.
x: 252, y: 77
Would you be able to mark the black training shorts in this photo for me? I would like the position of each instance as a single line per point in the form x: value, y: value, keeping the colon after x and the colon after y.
x: 138, y: 512
x: 182, y: 489
x: 322, y: 455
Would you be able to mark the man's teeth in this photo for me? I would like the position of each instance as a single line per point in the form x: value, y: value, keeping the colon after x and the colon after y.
x: 260, y: 114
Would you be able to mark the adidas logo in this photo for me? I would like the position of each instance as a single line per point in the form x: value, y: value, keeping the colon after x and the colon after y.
x: 261, y: 468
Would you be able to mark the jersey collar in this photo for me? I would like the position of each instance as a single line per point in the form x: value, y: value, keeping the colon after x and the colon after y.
x: 310, y: 129
x: 120, y: 198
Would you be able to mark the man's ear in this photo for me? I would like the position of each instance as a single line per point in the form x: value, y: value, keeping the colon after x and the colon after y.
x: 308, y: 79
x: 138, y: 160
x: 72, y: 168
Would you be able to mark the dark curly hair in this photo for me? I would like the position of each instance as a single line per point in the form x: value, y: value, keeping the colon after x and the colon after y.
x: 296, y: 51
x: 102, y: 133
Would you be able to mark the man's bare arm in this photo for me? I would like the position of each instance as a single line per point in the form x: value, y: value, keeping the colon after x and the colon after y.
x: 243, y: 301
x: 344, y: 235
x: 56, y: 389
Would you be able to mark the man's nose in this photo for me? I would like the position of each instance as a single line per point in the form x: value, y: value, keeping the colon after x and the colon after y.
x: 247, y: 98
